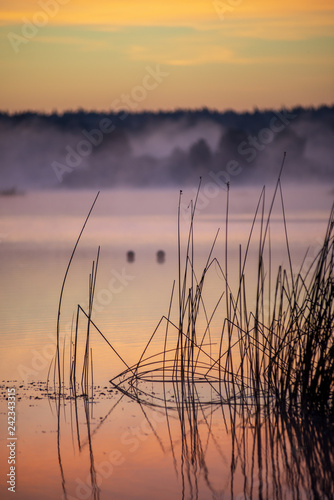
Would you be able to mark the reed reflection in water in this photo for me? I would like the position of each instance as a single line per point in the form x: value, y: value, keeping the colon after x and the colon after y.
x: 264, y: 454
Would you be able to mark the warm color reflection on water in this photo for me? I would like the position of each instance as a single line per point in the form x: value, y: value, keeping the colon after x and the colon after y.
x: 118, y: 449
x: 196, y: 452
x: 114, y: 447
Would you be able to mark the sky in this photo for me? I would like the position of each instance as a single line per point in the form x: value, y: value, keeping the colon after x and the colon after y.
x: 106, y: 55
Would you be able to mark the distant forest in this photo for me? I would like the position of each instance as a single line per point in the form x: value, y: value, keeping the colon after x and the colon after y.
x: 82, y: 149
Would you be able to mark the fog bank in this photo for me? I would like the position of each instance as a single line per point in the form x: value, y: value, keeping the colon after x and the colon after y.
x: 106, y: 150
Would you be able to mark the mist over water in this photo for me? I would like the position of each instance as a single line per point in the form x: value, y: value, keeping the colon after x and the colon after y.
x: 59, y: 162
x: 94, y: 150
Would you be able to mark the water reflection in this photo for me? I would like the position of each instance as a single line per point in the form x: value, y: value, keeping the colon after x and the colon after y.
x: 75, y: 401
x: 259, y: 453
x: 292, y: 455
x: 225, y: 427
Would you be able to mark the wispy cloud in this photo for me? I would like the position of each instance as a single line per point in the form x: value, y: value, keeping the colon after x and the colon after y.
x: 80, y: 42
x: 197, y: 13
x: 176, y: 53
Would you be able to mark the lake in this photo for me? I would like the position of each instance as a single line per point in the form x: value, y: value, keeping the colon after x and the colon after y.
x: 154, y: 442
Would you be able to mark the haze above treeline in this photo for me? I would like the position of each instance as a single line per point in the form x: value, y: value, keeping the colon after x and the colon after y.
x: 84, y: 149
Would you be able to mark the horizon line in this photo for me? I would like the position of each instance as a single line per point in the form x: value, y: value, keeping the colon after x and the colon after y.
x: 254, y: 110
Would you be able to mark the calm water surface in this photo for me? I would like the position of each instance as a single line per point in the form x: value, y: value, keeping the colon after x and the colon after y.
x: 115, y: 447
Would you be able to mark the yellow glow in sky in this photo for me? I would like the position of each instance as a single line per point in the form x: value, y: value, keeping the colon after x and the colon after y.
x: 152, y: 12
x: 238, y: 54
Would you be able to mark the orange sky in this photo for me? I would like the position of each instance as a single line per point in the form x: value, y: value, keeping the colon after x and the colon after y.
x: 241, y: 54
x: 151, y: 12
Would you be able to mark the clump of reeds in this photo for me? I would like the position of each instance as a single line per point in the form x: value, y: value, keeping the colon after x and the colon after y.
x: 301, y: 364
x: 283, y: 351
x: 287, y: 351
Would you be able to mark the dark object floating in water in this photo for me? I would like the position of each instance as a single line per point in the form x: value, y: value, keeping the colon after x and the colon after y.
x: 161, y: 256
x: 130, y: 256
x: 13, y: 191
